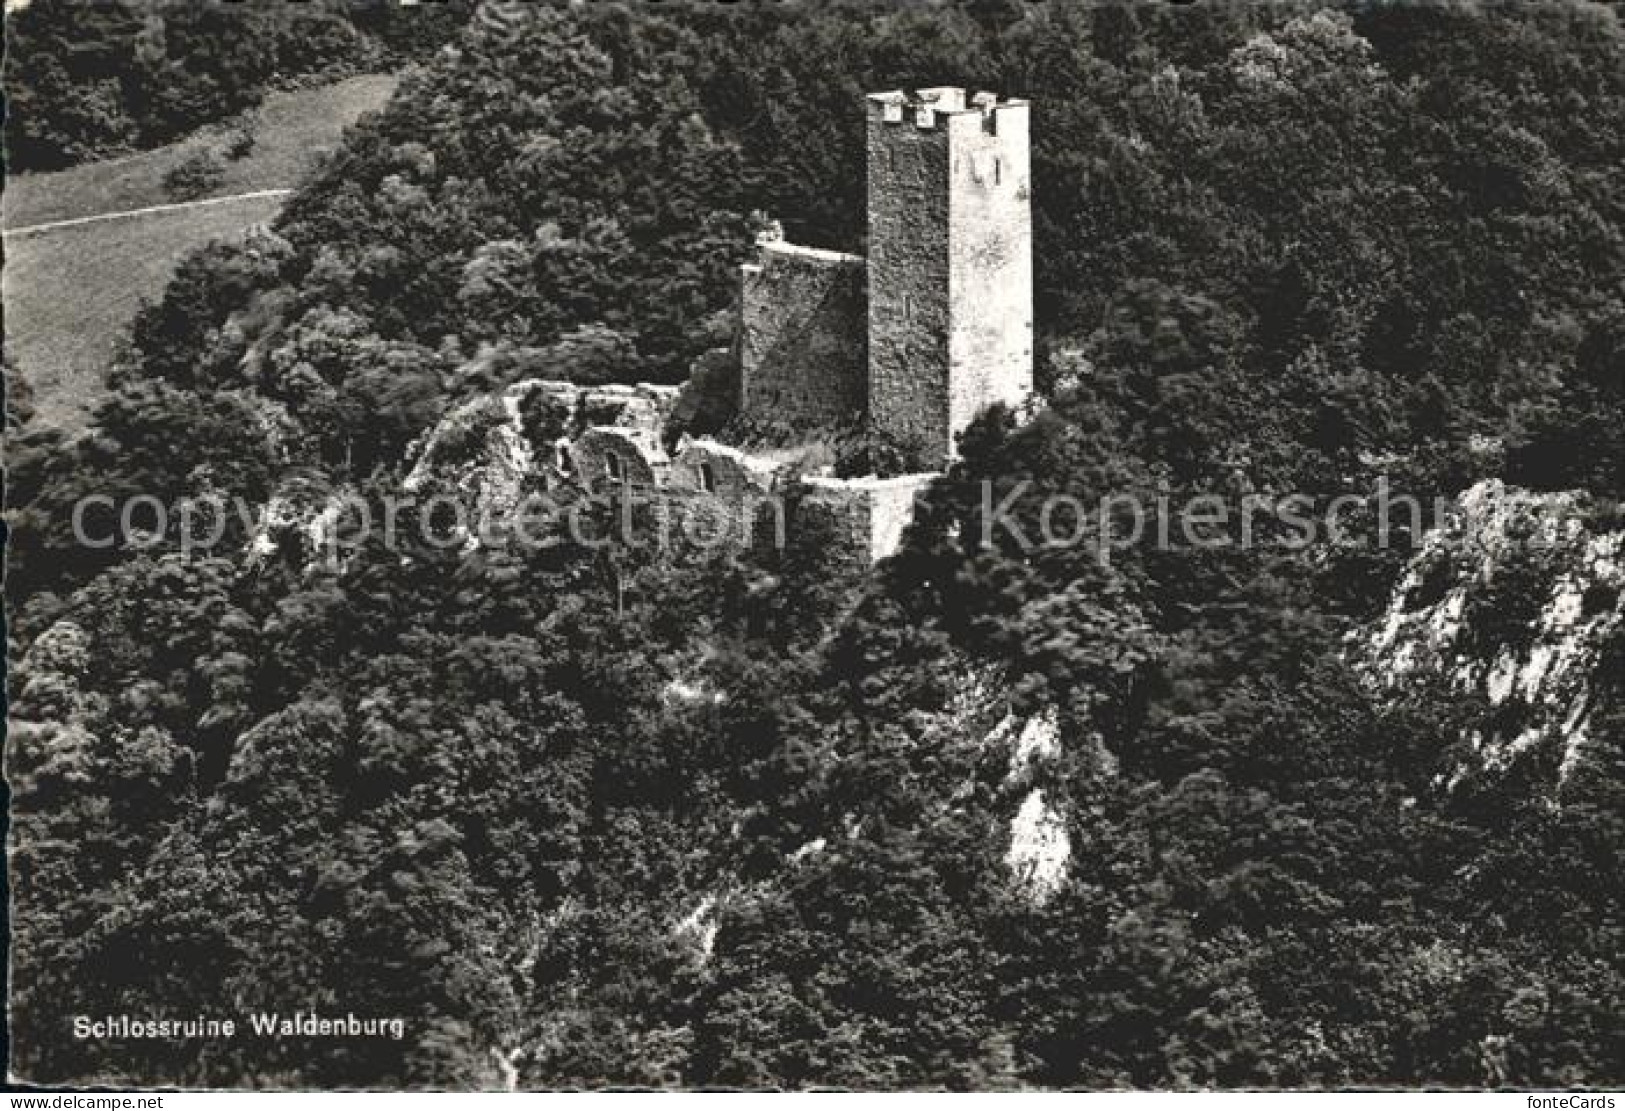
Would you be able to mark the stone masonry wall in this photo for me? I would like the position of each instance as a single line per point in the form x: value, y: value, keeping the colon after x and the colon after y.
x: 892, y: 503
x: 859, y: 521
x: 908, y: 277
x: 803, y: 335
x: 719, y: 486
x: 711, y: 467
x: 990, y: 245
x: 608, y: 458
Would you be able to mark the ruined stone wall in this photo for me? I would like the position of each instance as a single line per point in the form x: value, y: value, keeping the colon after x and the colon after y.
x: 950, y: 263
x: 644, y: 406
x: 803, y: 335
x: 858, y: 521
x: 602, y: 459
x: 551, y: 408
x: 711, y: 467
x: 553, y: 415
x: 723, y: 524
x: 892, y: 503
x: 716, y: 486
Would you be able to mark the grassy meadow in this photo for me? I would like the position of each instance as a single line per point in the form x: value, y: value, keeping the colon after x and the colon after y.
x: 70, y: 292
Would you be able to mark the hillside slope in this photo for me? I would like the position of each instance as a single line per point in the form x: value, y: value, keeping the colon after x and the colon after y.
x: 70, y: 292
x: 1513, y: 602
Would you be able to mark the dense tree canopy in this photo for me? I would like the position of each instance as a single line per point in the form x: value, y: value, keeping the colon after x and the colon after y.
x: 88, y: 80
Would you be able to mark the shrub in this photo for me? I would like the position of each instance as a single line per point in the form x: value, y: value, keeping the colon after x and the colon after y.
x: 196, y: 176
x: 239, y: 142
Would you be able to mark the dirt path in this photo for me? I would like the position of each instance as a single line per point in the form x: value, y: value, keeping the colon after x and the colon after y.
x: 148, y: 211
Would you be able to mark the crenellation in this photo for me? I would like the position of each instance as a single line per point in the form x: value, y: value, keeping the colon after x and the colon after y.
x: 943, y: 98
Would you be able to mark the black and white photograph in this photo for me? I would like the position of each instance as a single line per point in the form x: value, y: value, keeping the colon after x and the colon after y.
x: 844, y: 546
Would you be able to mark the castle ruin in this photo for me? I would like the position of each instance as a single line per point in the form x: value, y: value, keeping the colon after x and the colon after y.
x: 937, y: 323
x: 910, y: 343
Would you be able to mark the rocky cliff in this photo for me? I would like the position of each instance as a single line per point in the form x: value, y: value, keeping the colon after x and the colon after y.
x: 1514, y: 599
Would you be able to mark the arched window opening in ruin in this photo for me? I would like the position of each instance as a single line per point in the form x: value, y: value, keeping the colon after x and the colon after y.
x: 613, y: 466
x: 562, y: 460
x: 708, y: 478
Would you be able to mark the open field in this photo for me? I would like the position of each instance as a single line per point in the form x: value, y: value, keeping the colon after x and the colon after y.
x: 71, y: 291
x: 291, y: 129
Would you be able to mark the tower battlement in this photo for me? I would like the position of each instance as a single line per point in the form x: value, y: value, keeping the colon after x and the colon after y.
x: 946, y: 106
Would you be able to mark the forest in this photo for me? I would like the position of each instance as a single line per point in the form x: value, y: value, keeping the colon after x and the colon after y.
x: 674, y: 817
x: 93, y: 79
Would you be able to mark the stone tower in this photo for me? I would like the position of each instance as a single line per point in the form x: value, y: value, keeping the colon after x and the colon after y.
x: 950, y: 263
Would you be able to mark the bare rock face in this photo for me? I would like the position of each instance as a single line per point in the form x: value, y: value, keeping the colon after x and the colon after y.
x: 1040, y: 848
x: 1038, y: 842
x: 300, y: 522
x: 1514, y: 598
